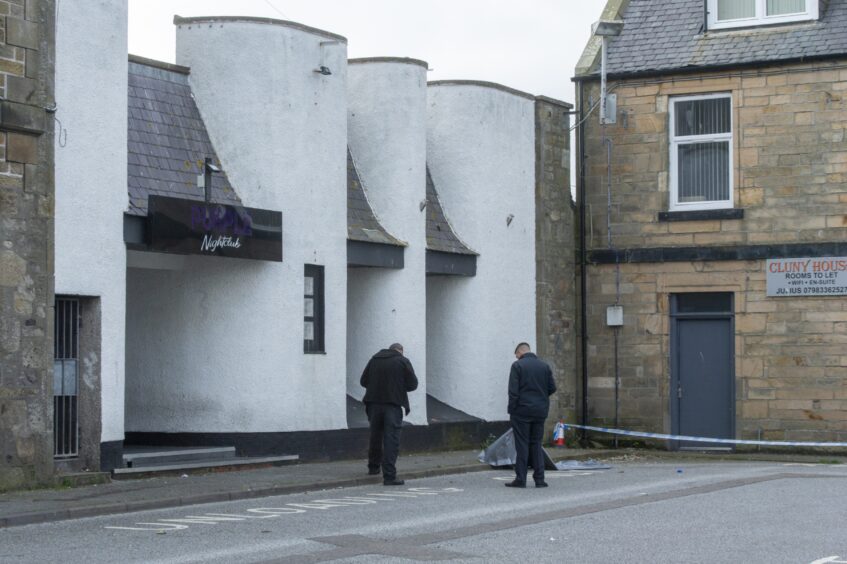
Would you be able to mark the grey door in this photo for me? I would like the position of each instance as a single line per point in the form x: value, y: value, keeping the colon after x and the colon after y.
x: 702, y: 366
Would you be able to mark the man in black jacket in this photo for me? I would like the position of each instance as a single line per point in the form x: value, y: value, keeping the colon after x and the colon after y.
x: 530, y: 386
x: 388, y: 378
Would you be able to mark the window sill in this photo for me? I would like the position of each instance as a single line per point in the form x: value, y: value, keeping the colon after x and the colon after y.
x: 314, y: 352
x: 764, y: 25
x: 701, y: 215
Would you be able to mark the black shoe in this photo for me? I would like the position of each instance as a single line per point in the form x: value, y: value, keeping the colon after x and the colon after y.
x: 393, y: 482
x: 373, y: 471
x: 541, y: 484
x: 515, y: 484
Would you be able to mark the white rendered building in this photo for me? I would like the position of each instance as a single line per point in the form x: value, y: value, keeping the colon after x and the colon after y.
x: 344, y: 205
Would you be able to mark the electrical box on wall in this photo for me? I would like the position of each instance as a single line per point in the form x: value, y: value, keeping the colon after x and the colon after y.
x: 611, y: 108
x: 614, y: 316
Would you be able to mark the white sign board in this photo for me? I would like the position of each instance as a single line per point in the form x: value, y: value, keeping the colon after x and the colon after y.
x: 819, y: 276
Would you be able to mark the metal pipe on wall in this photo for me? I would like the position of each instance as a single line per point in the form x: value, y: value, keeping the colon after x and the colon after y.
x: 583, y: 325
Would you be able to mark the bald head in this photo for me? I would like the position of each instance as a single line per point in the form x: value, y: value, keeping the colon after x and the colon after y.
x: 522, y: 349
x: 396, y: 347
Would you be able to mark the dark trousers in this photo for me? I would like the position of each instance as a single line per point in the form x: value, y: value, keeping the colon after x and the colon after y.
x: 386, y: 421
x: 528, y: 434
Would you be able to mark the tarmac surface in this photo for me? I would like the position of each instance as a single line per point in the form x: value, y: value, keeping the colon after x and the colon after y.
x: 125, y: 496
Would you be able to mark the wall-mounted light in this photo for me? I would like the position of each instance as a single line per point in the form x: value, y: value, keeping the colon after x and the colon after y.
x: 509, y: 219
x: 605, y: 29
x: 422, y: 205
x: 205, y: 180
x: 322, y: 68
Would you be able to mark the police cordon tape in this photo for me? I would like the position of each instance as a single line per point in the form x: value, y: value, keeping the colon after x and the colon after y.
x: 701, y: 439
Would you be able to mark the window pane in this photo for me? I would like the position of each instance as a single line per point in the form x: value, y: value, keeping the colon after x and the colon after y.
x: 308, y: 331
x: 736, y: 9
x: 309, y: 286
x: 711, y: 302
x: 703, y: 174
x: 702, y: 117
x: 781, y: 7
x: 309, y: 310
x: 58, y: 377
x: 69, y: 378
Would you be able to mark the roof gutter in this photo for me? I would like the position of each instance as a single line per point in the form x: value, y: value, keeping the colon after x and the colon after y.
x: 709, y: 68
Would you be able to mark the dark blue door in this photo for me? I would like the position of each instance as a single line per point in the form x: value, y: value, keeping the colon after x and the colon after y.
x: 703, y: 379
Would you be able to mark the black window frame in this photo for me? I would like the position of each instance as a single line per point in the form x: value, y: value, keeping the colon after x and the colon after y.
x: 317, y: 344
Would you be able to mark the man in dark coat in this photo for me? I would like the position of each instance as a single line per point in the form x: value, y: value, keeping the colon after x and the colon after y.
x: 530, y: 386
x: 388, y: 378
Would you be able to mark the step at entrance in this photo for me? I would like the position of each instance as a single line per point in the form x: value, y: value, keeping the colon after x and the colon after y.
x: 134, y: 457
x: 188, y: 467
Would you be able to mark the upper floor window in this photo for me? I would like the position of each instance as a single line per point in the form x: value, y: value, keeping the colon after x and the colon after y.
x: 701, y: 152
x: 743, y: 13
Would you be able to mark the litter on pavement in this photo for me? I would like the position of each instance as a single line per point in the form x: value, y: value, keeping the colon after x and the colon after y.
x: 501, y: 453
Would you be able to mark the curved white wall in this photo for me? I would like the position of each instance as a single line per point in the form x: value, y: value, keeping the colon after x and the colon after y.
x: 226, y: 346
x: 481, y: 153
x: 91, y: 178
x: 387, y: 136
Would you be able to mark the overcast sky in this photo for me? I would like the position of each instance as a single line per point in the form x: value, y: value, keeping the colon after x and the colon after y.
x: 531, y: 45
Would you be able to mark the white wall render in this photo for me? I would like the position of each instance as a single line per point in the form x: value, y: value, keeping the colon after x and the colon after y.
x: 229, y: 337
x: 91, y: 178
x: 481, y: 153
x: 387, y: 137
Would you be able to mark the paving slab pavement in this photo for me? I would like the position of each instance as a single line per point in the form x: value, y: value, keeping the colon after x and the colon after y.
x: 124, y: 496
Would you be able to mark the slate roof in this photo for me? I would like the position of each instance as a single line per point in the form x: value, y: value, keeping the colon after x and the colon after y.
x: 439, y: 234
x: 362, y: 224
x: 167, y: 140
x: 666, y: 35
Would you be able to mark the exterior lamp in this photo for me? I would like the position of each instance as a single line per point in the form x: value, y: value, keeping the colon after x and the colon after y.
x: 605, y: 29
x: 323, y: 69
x: 205, y: 181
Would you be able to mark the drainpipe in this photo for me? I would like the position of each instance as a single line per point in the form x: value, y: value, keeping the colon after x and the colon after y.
x: 583, y: 324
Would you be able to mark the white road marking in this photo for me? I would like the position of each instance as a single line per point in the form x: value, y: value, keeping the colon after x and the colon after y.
x: 546, y: 476
x: 829, y: 559
x: 180, y: 523
x: 157, y: 527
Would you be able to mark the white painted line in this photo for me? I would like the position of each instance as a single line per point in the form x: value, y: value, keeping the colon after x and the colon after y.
x: 371, y: 498
x: 570, y: 474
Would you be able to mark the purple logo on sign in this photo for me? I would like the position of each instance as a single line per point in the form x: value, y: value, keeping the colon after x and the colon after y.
x: 222, y: 220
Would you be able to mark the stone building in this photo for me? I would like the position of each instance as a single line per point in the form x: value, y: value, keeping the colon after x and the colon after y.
x: 229, y: 253
x: 26, y: 233
x: 715, y: 202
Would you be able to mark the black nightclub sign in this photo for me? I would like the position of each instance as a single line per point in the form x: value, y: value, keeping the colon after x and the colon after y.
x: 203, y: 228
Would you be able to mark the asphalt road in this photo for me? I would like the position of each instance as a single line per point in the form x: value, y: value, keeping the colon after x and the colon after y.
x: 634, y: 512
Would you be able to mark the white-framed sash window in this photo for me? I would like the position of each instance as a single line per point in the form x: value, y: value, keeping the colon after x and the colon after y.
x: 701, y: 152
x: 724, y: 14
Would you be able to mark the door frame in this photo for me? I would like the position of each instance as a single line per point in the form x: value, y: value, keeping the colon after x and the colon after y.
x: 673, y: 398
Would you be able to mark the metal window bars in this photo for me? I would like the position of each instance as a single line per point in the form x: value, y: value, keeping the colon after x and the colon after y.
x: 65, y: 378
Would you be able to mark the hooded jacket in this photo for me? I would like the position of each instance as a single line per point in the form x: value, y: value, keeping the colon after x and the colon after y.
x: 388, y: 378
x: 530, y: 385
